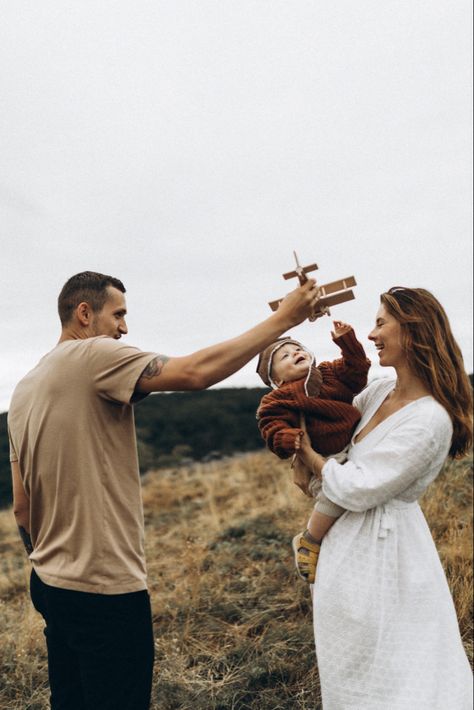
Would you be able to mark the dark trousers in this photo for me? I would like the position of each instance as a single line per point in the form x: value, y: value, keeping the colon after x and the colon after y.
x: 100, y: 647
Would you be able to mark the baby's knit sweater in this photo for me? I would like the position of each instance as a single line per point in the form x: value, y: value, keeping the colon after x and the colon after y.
x: 330, y: 417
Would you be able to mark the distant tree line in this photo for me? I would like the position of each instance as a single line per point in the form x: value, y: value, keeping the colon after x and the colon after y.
x: 179, y: 427
x: 193, y: 425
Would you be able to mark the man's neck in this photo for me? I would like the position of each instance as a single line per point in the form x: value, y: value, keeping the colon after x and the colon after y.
x: 74, y: 333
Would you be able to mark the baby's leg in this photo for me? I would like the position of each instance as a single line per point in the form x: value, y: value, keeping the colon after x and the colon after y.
x: 318, y: 526
x: 306, y: 545
x: 324, y: 515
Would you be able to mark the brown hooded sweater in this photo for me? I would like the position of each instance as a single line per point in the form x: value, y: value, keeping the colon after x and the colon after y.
x: 330, y: 417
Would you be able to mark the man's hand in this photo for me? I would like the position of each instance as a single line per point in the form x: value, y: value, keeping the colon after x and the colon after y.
x: 213, y: 364
x: 26, y: 539
x: 340, y: 328
x: 300, y: 303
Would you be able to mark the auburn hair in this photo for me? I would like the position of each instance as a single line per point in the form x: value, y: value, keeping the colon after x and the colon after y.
x: 435, y: 357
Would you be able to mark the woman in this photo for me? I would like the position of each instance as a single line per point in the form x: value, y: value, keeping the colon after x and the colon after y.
x: 386, y: 631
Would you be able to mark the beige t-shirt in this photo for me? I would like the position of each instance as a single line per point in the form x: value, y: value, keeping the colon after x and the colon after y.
x: 72, y: 432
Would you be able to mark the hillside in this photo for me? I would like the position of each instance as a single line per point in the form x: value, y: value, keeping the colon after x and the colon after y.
x: 193, y: 424
x: 176, y: 426
x: 180, y: 426
x: 233, y: 625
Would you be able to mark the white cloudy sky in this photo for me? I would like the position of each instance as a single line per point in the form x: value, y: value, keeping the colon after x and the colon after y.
x: 188, y: 146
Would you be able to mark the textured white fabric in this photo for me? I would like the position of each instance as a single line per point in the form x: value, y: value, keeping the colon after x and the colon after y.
x: 387, y: 636
x: 323, y: 504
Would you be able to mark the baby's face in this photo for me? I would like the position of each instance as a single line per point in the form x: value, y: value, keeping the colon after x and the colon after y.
x: 290, y: 363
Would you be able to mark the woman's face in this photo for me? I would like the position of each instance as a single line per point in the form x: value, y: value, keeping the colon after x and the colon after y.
x: 387, y: 337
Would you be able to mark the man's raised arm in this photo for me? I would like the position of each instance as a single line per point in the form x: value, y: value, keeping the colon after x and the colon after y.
x: 213, y: 364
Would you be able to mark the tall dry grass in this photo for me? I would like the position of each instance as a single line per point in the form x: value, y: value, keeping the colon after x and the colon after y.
x: 232, y: 624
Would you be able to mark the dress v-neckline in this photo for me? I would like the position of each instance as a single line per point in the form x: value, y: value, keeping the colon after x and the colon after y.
x: 355, y: 442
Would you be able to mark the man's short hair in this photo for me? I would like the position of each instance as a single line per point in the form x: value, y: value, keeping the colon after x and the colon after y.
x: 88, y: 286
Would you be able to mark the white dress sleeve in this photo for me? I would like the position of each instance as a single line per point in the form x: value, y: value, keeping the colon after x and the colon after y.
x: 415, y: 446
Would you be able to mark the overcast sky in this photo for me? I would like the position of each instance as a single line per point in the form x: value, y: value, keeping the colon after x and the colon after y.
x: 187, y: 147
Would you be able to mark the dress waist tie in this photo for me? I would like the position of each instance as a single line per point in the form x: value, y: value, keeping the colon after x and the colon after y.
x: 388, y: 518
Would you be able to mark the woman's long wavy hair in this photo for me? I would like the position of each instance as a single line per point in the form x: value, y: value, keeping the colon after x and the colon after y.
x: 435, y: 357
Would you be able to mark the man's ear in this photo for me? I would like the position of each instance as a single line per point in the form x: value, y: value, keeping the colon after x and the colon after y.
x: 84, y: 313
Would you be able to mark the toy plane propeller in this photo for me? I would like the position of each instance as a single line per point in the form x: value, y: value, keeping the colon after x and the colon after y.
x: 330, y: 294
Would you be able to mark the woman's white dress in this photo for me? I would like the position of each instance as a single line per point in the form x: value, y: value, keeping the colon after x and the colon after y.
x: 387, y: 636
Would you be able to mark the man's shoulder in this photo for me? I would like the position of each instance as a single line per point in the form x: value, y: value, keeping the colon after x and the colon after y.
x: 101, y: 348
x: 98, y: 349
x: 106, y: 344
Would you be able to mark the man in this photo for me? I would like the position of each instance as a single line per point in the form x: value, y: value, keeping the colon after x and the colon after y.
x: 76, y: 485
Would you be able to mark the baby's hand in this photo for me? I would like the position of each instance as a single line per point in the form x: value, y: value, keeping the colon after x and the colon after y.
x: 340, y: 328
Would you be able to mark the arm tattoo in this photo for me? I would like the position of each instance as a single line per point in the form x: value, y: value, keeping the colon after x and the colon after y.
x: 154, y: 368
x: 26, y: 539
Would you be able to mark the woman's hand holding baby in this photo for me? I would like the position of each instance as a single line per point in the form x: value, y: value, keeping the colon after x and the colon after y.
x: 307, y: 455
x: 301, y: 475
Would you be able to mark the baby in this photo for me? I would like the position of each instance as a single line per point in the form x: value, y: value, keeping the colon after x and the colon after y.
x: 320, y: 400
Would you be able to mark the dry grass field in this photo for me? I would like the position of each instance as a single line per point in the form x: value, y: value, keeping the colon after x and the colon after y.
x: 232, y: 623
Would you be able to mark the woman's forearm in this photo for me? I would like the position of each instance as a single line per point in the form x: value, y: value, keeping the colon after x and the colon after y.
x: 317, y: 463
x: 308, y: 456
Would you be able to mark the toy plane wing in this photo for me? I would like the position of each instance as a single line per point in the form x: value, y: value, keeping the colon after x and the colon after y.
x: 330, y: 294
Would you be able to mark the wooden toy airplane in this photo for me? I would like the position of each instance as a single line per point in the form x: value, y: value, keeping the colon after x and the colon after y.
x: 330, y: 294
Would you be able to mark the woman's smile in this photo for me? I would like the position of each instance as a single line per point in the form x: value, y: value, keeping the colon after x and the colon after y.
x: 386, y: 337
